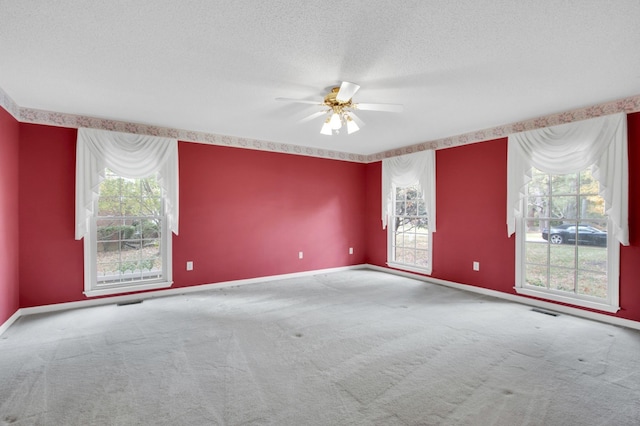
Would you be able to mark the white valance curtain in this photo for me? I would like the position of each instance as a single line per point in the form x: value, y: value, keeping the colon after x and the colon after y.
x: 410, y: 169
x: 568, y: 148
x: 128, y: 155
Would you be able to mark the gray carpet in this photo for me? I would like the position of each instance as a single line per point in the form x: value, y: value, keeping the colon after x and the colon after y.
x: 349, y: 348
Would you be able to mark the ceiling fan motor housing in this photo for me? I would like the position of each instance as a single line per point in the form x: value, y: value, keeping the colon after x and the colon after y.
x: 331, y: 101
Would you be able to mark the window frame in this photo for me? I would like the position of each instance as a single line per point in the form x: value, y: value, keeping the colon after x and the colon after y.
x: 91, y: 286
x: 391, y: 237
x: 611, y: 303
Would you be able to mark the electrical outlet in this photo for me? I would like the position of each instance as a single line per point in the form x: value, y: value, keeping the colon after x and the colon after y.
x: 476, y: 266
x: 350, y: 250
x: 300, y: 255
x: 189, y: 266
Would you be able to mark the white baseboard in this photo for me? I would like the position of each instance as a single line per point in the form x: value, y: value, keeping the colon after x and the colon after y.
x: 203, y: 287
x: 174, y: 291
x: 515, y: 298
x: 13, y: 318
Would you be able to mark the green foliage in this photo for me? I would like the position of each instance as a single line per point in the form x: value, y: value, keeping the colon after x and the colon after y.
x: 128, y: 209
x: 147, y: 264
x: 116, y: 232
x: 149, y: 229
x: 129, y: 197
x: 132, y: 265
x: 129, y: 222
x: 127, y: 266
x: 553, y: 199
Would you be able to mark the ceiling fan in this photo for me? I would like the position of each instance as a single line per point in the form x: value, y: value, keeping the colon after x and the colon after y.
x: 339, y: 108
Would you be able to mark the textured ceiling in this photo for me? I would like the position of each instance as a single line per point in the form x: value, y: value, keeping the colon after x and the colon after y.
x: 217, y: 66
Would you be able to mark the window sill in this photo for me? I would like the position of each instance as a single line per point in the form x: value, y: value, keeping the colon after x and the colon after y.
x: 599, y: 306
x: 127, y: 289
x: 410, y: 268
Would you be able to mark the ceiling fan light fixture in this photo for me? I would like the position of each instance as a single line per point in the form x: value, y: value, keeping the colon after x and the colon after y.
x: 335, y: 122
x: 341, y: 110
x: 326, y: 128
x: 352, y: 127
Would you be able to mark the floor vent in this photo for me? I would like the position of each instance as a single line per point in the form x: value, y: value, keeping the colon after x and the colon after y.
x: 130, y: 302
x: 542, y: 311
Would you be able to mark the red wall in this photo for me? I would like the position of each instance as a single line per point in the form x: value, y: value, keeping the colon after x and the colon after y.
x: 247, y: 214
x: 9, y: 237
x: 51, y: 260
x: 630, y: 256
x: 376, y: 236
x: 243, y: 214
x: 471, y: 190
x: 471, y: 200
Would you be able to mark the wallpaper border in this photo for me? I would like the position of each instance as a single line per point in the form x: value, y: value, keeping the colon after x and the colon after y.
x: 50, y: 118
x: 627, y: 105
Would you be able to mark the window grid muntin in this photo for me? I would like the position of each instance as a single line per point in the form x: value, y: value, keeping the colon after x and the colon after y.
x: 131, y: 268
x: 414, y: 249
x: 578, y: 194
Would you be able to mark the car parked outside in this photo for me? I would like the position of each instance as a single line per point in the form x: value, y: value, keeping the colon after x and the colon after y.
x: 566, y: 234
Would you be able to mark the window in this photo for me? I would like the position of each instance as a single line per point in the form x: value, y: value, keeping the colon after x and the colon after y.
x: 128, y: 244
x: 566, y: 252
x: 409, y: 209
x: 126, y: 210
x: 408, y: 239
x: 567, y: 203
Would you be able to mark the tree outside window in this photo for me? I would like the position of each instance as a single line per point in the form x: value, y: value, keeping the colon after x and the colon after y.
x: 409, y: 232
x: 128, y: 230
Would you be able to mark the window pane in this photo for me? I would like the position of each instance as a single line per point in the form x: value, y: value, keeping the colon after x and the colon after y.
x: 411, y: 208
x: 536, y: 275
x: 539, y: 184
x: 592, y: 207
x: 592, y: 284
x: 410, y: 239
x: 109, y: 206
x: 409, y: 257
x: 400, y: 207
x: 422, y: 258
x: 565, y: 247
x: 562, y: 255
x: 592, y: 234
x: 592, y: 259
x: 562, y: 279
x: 537, y: 207
x: 564, y: 207
x: 108, y: 272
x: 536, y: 252
x: 128, y: 228
x: 399, y: 239
x: 564, y: 184
x: 422, y: 231
x: 588, y: 185
x: 422, y: 242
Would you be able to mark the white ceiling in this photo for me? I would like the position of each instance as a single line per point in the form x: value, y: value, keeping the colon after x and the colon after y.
x: 217, y: 66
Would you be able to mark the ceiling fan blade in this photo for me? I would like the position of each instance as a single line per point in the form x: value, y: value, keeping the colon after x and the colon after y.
x: 312, y: 116
x: 346, y: 92
x: 379, y: 107
x: 357, y: 119
x: 300, y: 101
